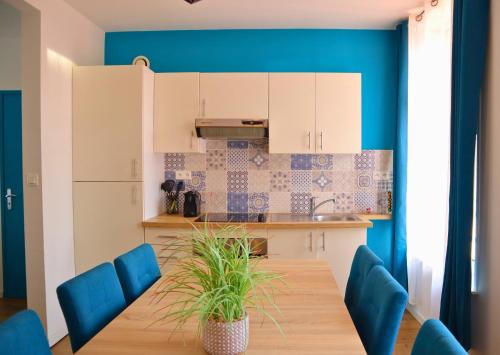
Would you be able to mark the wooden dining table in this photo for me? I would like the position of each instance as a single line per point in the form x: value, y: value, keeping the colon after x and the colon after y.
x: 314, y: 320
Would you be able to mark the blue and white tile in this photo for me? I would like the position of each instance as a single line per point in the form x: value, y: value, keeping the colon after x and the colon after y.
x: 216, y: 181
x: 216, y: 202
x: 384, y: 185
x: 237, y: 202
x: 279, y: 202
x: 216, y: 159
x: 344, y: 202
x: 258, y: 202
x: 383, y: 160
x: 300, y: 202
x: 382, y: 202
x: 279, y: 162
x: 174, y: 161
x: 301, y: 180
x: 169, y: 174
x: 217, y: 144
x: 365, y: 201
x: 322, y: 181
x: 301, y: 162
x: 365, y: 160
x: 237, y: 181
x: 343, y: 162
x: 197, y: 182
x: 322, y: 162
x: 258, y: 160
x: 343, y: 181
x: 195, y: 161
x: 237, y: 159
x: 364, y: 179
x: 258, y: 181
x: 280, y: 181
x: 237, y: 144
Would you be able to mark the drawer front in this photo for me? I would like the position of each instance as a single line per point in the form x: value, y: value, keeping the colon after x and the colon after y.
x: 164, y: 244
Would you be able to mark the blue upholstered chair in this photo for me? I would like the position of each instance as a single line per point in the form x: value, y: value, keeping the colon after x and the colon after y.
x: 378, y: 315
x: 89, y: 302
x: 435, y: 339
x: 23, y: 334
x: 364, y: 260
x: 137, y: 271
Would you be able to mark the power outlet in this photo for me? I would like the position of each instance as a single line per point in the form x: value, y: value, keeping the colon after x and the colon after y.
x: 183, y: 175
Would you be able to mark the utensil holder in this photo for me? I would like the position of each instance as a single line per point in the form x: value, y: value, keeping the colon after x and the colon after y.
x: 172, y: 204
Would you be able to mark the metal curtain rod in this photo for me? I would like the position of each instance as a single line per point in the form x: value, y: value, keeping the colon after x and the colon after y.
x: 420, y: 16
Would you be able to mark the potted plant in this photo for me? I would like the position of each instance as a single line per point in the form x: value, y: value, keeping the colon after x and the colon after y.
x: 218, y: 284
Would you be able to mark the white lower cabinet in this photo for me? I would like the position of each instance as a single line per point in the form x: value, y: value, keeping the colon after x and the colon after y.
x: 107, y: 221
x: 337, y: 246
x: 164, y: 242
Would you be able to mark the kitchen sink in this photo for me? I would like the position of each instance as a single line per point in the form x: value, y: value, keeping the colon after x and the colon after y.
x: 316, y: 218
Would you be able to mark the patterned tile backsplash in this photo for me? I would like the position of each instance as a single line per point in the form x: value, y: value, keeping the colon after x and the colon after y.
x: 241, y: 176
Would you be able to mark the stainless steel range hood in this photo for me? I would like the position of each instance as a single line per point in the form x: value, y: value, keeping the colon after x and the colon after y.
x: 210, y: 128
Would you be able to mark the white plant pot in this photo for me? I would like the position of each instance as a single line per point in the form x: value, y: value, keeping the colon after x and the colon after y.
x: 221, y: 338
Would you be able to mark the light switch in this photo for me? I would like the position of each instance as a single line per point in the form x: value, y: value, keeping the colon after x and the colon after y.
x: 32, y: 179
x: 183, y: 175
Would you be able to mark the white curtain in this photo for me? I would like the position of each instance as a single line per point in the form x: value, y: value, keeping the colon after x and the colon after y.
x: 429, y: 97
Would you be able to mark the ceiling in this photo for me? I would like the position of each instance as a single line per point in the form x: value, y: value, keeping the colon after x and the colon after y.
x: 129, y: 15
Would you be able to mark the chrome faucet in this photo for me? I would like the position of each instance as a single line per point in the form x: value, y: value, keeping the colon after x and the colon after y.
x: 313, y: 206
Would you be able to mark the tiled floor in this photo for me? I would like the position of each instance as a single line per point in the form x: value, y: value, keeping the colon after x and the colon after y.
x: 406, y: 338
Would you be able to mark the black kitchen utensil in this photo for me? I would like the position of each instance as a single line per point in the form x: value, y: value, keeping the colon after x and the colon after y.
x: 168, y: 186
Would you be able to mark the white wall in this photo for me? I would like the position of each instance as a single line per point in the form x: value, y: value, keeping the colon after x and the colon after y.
x: 10, y: 47
x: 65, y: 38
x: 486, y: 304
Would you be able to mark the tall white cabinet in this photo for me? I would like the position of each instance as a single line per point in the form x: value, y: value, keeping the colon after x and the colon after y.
x: 115, y: 170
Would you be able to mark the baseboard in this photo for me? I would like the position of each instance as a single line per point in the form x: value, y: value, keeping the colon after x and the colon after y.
x: 415, y: 313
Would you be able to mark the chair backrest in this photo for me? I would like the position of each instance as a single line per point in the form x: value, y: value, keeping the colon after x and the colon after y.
x: 23, y: 334
x: 435, y: 339
x: 381, y: 306
x: 137, y: 271
x: 364, y: 260
x: 89, y: 302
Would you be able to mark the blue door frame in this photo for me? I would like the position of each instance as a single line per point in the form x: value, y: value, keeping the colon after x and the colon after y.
x: 11, y: 177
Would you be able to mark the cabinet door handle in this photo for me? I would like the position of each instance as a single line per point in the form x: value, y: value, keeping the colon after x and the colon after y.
x: 321, y: 140
x: 133, y: 168
x: 324, y: 245
x: 310, y: 241
x: 134, y: 195
x: 192, y: 138
x: 203, y: 104
x: 309, y: 139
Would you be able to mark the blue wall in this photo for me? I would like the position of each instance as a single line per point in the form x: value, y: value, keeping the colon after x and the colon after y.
x: 371, y: 52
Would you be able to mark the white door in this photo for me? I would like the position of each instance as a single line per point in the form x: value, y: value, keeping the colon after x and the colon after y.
x: 291, y: 112
x: 176, y: 106
x: 338, y: 113
x: 338, y: 247
x: 107, y: 123
x: 107, y: 221
x: 291, y: 244
x: 234, y: 95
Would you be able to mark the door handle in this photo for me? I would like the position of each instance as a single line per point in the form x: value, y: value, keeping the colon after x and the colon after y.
x: 324, y: 246
x: 134, y: 168
x: 8, y: 196
x: 203, y: 104
x: 309, y: 139
x: 321, y: 140
x: 310, y: 241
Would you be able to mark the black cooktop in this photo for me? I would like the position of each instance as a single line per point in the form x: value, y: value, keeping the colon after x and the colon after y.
x: 232, y: 217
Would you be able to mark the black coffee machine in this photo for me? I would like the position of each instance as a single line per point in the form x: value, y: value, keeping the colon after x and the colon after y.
x: 192, y: 202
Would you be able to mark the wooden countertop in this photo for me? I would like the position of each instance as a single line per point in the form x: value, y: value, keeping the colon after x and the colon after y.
x: 314, y: 319
x: 178, y: 221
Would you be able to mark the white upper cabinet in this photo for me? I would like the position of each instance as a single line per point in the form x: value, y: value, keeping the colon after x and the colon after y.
x: 176, y: 106
x: 338, y: 113
x: 291, y: 112
x: 234, y: 95
x: 107, y: 123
